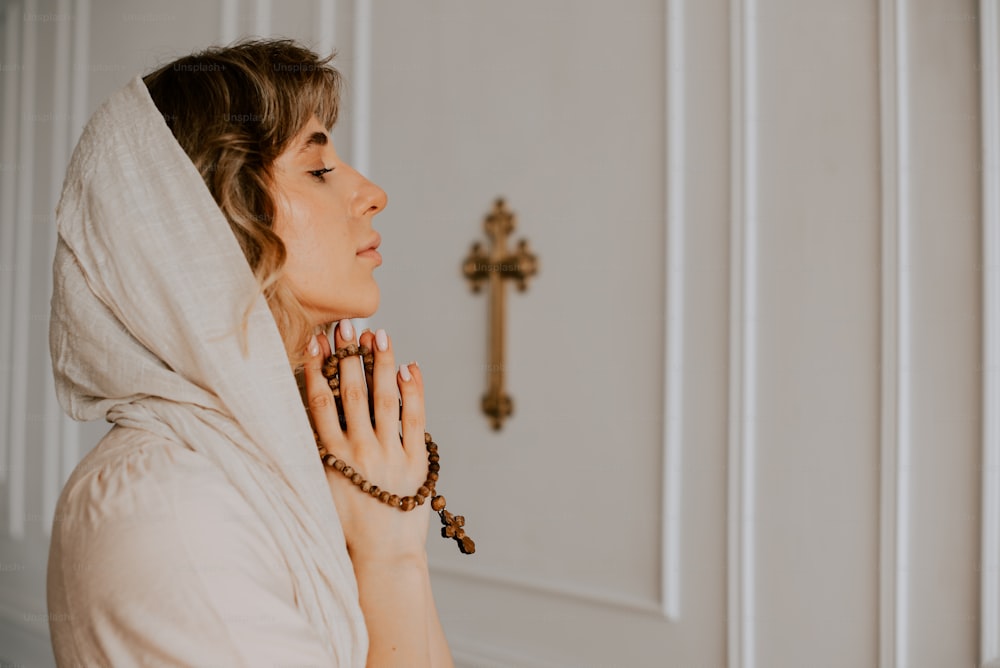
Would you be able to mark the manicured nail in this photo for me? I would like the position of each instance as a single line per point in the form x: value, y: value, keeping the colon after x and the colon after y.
x: 313, y: 346
x: 381, y: 340
x: 404, y: 373
x: 346, y: 330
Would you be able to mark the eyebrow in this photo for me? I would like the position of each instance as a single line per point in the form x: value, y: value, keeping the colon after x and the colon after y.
x: 315, y: 139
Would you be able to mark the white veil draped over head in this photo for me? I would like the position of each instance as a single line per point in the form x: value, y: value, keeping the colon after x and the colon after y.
x: 150, y: 286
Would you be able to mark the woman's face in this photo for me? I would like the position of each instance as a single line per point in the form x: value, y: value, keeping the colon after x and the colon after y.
x: 324, y: 211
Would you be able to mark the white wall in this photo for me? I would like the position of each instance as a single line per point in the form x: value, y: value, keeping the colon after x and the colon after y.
x: 752, y: 427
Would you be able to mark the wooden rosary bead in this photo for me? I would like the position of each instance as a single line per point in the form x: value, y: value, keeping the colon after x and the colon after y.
x: 452, y: 524
x: 347, y: 351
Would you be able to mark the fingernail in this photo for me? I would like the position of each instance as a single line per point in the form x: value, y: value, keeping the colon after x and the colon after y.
x: 404, y: 373
x: 381, y: 340
x: 346, y: 330
x: 313, y: 346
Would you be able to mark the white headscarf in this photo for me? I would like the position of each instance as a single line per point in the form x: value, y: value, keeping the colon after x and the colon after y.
x: 150, y: 286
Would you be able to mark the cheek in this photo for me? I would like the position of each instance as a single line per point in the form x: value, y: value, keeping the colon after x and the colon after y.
x: 316, y: 244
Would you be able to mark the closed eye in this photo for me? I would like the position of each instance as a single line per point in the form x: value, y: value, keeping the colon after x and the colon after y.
x: 318, y: 173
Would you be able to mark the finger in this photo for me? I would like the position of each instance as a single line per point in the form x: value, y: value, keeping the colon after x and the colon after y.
x: 353, y: 394
x: 324, y: 344
x: 367, y: 340
x: 385, y: 390
x: 319, y: 397
x: 411, y: 389
x: 326, y: 349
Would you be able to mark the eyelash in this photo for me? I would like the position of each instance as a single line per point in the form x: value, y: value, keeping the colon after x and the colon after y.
x: 318, y: 173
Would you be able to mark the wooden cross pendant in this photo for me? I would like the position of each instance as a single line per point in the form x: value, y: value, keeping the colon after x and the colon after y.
x: 495, y: 266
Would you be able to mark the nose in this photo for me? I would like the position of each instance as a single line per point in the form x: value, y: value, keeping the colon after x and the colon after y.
x: 368, y: 197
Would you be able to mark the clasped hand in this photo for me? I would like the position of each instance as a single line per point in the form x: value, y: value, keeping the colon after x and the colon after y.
x: 391, y: 453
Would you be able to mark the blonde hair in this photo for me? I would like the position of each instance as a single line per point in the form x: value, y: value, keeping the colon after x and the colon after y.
x: 233, y: 110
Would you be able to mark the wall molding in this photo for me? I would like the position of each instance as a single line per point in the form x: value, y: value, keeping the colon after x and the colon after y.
x: 262, y: 18
x: 362, y: 87
x: 895, y: 336
x: 668, y: 604
x: 8, y: 194
x: 547, y: 586
x: 742, y: 452
x: 21, y: 306
x: 673, y: 372
x: 228, y: 21
x: 989, y: 26
x: 326, y: 26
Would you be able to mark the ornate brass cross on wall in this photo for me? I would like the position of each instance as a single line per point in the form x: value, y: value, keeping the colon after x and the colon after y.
x: 497, y: 265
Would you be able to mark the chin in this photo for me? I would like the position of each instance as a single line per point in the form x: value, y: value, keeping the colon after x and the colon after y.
x: 371, y: 306
x: 362, y: 308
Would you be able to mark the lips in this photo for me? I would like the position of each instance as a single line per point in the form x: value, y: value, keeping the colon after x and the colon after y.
x: 370, y: 250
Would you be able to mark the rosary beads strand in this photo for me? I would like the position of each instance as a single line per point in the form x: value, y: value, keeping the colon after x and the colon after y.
x: 453, y: 525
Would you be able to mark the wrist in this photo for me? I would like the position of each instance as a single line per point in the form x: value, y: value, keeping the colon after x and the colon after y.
x: 397, y: 562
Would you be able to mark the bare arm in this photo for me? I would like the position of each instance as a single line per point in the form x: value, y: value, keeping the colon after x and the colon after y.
x: 440, y: 654
x: 394, y: 601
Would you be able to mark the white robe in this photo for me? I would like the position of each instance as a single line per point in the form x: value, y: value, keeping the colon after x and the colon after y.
x: 200, y: 531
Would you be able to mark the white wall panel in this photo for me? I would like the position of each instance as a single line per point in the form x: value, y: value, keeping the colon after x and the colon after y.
x: 361, y: 85
x: 944, y: 377
x: 989, y: 596
x: 814, y: 218
x: 751, y: 428
x: 895, y: 336
x: 743, y: 295
x: 17, y: 425
x: 671, y: 575
x: 8, y: 210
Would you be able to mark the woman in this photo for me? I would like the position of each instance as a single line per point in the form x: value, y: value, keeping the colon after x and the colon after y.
x: 207, y: 230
